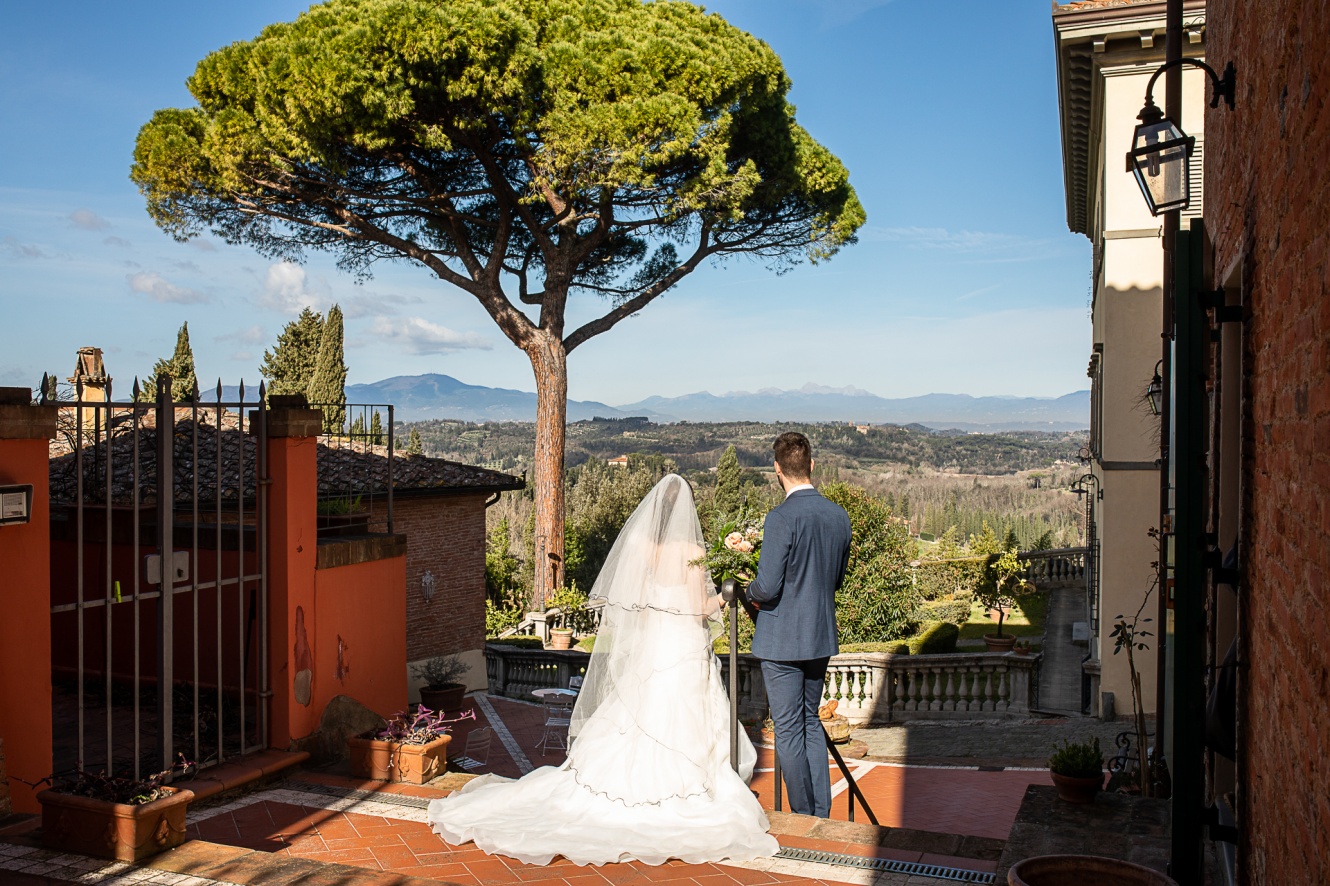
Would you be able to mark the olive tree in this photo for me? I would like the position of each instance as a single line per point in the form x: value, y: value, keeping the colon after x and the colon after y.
x: 525, y: 151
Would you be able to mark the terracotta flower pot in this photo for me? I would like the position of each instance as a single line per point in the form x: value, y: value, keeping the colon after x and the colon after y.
x: 1077, y: 790
x: 448, y: 697
x: 1083, y: 870
x: 113, y: 830
x: 394, y: 761
x: 561, y: 638
x: 1000, y: 644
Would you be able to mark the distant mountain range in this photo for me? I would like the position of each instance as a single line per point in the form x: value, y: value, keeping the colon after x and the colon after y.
x: 423, y: 397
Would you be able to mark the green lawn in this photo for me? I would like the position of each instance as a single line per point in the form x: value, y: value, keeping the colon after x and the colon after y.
x: 1026, y: 620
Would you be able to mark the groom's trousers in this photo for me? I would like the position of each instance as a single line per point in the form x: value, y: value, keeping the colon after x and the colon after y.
x: 794, y: 692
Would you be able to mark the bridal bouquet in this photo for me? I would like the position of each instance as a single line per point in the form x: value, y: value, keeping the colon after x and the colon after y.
x: 735, y: 550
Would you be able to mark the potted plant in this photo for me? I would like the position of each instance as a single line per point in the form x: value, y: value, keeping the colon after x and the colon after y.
x: 1078, y: 770
x: 997, y: 592
x: 1022, y: 647
x: 114, y: 817
x: 442, y: 690
x: 570, y: 605
x: 411, y: 748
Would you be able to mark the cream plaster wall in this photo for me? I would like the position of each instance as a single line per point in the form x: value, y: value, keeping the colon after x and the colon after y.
x: 1126, y: 322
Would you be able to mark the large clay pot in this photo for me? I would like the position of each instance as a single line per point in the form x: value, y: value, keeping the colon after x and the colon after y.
x: 561, y: 638
x: 394, y: 761
x: 113, y: 830
x: 999, y: 644
x: 448, y: 697
x: 1083, y: 870
x: 1077, y: 790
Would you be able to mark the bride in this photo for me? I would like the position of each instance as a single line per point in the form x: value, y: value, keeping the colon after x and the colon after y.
x: 648, y: 774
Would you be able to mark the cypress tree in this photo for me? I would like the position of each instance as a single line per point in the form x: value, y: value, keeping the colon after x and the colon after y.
x: 179, y: 368
x: 327, y: 387
x: 358, y: 426
x: 413, y: 445
x: 729, y: 496
x: 376, y: 429
x: 289, y: 366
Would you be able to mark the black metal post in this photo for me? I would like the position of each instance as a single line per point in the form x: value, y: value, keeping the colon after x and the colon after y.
x: 729, y: 593
x: 165, y: 550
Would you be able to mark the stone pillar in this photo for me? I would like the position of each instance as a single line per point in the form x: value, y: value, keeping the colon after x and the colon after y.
x: 25, y: 583
x: 293, y: 430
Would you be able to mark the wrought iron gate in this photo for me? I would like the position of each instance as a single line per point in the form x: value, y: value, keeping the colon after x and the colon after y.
x: 159, y: 588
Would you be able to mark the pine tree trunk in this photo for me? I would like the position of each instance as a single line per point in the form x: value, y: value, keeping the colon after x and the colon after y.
x: 549, y: 361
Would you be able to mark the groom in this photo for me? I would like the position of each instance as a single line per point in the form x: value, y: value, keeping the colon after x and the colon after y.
x: 805, y: 548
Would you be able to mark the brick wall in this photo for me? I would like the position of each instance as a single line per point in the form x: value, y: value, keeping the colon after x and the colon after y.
x: 445, y: 536
x: 1267, y: 206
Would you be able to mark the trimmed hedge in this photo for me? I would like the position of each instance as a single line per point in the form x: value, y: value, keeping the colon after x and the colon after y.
x: 936, y: 638
x: 519, y: 642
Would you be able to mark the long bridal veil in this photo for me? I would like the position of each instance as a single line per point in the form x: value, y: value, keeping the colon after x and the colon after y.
x: 648, y: 773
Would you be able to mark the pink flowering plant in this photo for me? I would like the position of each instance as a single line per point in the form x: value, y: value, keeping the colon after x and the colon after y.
x: 735, y: 550
x: 420, y: 727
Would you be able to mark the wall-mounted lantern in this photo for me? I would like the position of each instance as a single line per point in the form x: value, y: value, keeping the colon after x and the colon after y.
x: 427, y: 586
x: 1154, y: 392
x: 1160, y: 150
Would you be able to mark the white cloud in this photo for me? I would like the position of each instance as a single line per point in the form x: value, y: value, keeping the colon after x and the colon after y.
x: 253, y: 335
x: 286, y: 289
x: 417, y: 335
x: 88, y: 220
x: 116, y: 241
x: 22, y: 250
x: 159, y: 289
x: 203, y: 245
x: 376, y: 305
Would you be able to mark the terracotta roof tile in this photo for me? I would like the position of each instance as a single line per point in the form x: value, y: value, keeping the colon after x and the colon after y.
x: 344, y: 468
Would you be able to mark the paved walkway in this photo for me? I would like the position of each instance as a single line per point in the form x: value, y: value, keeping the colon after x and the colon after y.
x: 1060, y: 673
x: 320, y: 826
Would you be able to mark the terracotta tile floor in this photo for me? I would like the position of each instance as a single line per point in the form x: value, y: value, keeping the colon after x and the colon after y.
x: 303, y: 825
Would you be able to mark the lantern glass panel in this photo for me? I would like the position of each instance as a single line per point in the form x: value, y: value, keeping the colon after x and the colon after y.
x: 1159, y: 162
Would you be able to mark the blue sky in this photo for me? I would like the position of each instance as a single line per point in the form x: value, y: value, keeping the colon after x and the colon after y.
x: 965, y: 279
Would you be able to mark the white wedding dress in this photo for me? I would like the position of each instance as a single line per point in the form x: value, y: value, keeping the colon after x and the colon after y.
x: 648, y: 773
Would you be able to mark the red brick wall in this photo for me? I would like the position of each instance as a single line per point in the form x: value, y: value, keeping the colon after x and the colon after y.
x: 446, y: 537
x: 1266, y: 205
x: 4, y: 782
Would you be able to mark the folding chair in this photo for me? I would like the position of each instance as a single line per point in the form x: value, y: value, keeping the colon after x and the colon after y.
x: 477, y: 750
x: 575, y: 683
x: 558, y: 717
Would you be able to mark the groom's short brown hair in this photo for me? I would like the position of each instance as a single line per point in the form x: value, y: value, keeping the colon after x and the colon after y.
x: 794, y: 454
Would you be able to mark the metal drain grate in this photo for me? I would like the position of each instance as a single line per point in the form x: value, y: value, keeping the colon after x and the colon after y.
x: 328, y: 790
x: 888, y: 865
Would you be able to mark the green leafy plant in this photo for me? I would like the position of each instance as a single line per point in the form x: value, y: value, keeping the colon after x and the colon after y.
x: 1002, y: 583
x: 573, y: 611
x: 1077, y: 759
x: 440, y: 671
x: 878, y: 598
x: 81, y: 782
x: 520, y: 642
x: 341, y: 505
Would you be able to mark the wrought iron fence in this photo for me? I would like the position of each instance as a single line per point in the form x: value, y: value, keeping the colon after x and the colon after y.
x: 159, y: 578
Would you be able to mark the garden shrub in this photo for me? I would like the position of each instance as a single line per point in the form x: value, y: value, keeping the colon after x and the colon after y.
x: 955, y: 611
x: 937, y: 638
x: 520, y: 642
x: 878, y: 598
x: 893, y: 646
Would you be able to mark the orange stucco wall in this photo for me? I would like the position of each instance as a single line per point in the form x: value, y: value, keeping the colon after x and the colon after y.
x: 292, y: 555
x: 360, y: 635
x: 25, y: 642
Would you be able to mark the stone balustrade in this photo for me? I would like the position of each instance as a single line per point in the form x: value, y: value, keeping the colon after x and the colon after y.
x: 1057, y: 568
x: 871, y: 687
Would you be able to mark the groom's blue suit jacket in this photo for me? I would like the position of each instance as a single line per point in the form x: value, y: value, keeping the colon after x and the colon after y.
x: 805, y: 548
